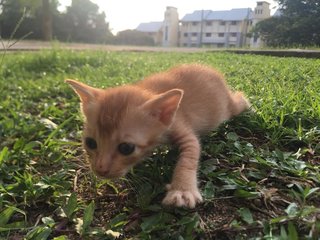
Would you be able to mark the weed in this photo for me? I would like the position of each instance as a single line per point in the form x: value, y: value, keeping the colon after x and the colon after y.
x: 11, y: 42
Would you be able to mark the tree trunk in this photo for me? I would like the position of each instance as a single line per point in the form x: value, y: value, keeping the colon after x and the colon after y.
x: 46, y: 21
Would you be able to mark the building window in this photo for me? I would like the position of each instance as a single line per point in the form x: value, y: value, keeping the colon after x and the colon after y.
x: 185, y: 34
x: 233, y: 34
x: 220, y: 45
x: 194, y: 34
x: 222, y: 23
x: 194, y: 23
x: 259, y: 3
x: 234, y: 23
x: 208, y: 34
x: 220, y: 34
x: 208, y: 23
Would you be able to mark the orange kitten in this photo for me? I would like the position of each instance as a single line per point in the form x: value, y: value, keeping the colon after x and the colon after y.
x: 125, y: 123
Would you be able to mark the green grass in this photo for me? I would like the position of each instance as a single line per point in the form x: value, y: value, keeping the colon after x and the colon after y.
x: 259, y: 173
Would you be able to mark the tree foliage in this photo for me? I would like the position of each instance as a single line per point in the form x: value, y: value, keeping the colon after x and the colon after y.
x: 12, y: 11
x: 297, y: 25
x: 81, y: 22
x: 85, y: 23
x: 133, y: 37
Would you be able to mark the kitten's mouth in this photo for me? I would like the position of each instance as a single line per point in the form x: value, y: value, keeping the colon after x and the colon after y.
x: 110, y: 175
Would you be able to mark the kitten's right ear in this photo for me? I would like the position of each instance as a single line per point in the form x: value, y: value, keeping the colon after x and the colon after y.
x: 164, y: 106
x: 86, y: 93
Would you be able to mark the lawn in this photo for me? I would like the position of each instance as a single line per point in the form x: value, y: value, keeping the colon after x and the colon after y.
x: 259, y: 173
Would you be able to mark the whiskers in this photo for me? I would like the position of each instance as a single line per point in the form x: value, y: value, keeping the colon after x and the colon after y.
x: 136, y: 182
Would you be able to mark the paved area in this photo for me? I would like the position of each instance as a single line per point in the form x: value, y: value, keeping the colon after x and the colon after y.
x: 27, y: 45
x: 38, y: 45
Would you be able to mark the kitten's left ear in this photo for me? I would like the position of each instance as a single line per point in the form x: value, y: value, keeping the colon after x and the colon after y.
x: 164, y: 106
x: 86, y: 93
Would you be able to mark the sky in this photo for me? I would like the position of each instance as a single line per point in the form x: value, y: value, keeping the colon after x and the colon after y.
x: 128, y: 14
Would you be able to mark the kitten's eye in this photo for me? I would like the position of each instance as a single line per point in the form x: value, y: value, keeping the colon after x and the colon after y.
x: 91, y: 143
x: 126, y: 148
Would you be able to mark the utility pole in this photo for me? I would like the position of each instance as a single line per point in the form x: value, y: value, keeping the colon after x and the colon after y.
x: 201, y: 28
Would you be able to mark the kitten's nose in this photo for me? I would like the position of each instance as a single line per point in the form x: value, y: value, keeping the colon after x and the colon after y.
x: 101, y: 166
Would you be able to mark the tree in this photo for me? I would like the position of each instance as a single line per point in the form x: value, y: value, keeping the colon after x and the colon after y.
x: 37, y: 18
x: 133, y: 37
x: 46, y: 21
x: 12, y: 12
x: 85, y: 23
x: 82, y: 21
x: 298, y: 24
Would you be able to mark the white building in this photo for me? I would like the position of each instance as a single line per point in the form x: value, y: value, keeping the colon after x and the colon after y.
x: 261, y: 12
x: 152, y: 29
x: 170, y: 27
x: 208, y: 28
x: 215, y: 28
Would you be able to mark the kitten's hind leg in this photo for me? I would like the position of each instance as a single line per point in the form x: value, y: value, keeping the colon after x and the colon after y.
x: 183, y: 190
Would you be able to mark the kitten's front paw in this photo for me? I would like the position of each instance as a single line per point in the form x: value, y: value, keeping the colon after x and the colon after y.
x: 182, y: 198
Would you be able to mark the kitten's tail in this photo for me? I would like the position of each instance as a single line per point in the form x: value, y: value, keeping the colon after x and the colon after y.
x: 239, y: 103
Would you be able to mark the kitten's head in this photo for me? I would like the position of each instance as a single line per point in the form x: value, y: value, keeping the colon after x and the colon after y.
x: 123, y: 124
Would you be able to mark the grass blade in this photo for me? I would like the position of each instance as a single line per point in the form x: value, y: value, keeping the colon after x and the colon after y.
x: 61, y: 126
x: 3, y: 155
x: 88, y: 217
